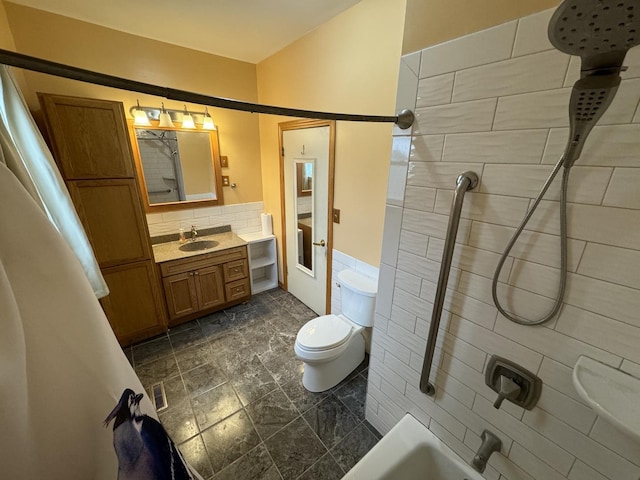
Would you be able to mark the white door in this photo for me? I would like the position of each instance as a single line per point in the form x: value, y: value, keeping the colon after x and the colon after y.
x: 306, y: 153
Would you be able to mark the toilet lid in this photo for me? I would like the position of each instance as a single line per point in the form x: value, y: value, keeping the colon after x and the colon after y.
x: 323, y: 333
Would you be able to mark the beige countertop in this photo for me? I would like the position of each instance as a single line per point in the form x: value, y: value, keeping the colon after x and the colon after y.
x: 163, y: 252
x: 308, y: 221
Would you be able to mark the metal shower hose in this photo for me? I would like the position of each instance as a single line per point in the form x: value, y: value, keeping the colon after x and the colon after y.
x: 563, y: 249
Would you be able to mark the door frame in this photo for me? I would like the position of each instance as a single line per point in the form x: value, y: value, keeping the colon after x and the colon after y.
x: 297, y: 125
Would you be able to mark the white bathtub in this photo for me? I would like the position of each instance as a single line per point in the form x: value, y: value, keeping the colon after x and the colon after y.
x: 408, y: 452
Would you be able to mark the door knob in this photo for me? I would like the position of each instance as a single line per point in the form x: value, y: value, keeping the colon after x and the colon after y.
x: 320, y: 243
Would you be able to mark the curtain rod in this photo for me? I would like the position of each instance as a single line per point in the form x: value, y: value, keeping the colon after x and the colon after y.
x: 404, y: 119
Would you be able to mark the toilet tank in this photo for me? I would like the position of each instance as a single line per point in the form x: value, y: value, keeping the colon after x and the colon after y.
x: 358, y: 297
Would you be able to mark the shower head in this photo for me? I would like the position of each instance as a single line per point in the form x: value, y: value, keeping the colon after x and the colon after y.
x: 600, y: 32
x: 590, y: 98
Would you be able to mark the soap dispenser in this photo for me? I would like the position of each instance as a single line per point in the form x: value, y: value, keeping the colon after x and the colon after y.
x: 182, y: 238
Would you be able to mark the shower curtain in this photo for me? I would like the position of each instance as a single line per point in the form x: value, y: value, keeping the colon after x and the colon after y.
x: 28, y: 157
x: 71, y: 406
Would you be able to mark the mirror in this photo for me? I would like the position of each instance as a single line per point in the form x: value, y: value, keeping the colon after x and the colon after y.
x: 303, y: 179
x: 178, y: 167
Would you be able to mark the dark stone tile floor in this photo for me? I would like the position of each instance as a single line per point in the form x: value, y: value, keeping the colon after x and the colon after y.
x: 237, y: 407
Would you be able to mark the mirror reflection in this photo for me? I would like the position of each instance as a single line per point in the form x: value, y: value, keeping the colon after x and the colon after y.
x: 303, y: 180
x: 178, y: 166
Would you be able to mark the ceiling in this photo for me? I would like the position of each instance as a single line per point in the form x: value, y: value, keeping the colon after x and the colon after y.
x: 247, y: 30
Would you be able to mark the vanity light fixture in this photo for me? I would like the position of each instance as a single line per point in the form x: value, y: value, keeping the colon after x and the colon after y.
x: 165, y: 118
x: 140, y: 116
x: 169, y: 117
x: 207, y: 122
x: 187, y: 119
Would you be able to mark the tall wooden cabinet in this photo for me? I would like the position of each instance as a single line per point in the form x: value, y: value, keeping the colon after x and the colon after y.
x: 91, y: 146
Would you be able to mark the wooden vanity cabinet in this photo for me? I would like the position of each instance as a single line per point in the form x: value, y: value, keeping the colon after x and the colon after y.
x: 90, y: 144
x: 204, y: 283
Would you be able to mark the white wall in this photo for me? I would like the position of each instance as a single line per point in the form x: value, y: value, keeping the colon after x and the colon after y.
x: 496, y: 102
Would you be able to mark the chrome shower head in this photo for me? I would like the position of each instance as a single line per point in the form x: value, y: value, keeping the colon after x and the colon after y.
x: 600, y: 32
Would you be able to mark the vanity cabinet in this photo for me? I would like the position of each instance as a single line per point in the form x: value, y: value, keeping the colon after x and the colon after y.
x: 205, y: 283
x: 91, y: 147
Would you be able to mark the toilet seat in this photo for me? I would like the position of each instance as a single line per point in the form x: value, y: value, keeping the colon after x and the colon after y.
x: 324, y: 333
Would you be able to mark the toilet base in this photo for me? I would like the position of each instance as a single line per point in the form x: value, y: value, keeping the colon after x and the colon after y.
x: 318, y: 377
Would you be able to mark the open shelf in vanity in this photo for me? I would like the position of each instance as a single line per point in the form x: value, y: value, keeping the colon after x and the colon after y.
x: 263, y: 261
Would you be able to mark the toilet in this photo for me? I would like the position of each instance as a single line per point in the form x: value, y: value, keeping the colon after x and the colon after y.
x: 332, y: 346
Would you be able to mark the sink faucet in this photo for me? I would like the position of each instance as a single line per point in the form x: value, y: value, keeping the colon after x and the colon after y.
x: 194, y: 233
x: 490, y: 444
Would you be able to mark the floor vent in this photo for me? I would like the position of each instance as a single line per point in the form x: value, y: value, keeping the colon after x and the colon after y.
x: 159, y: 396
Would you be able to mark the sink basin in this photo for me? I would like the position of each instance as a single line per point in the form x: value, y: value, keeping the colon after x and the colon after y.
x: 198, y: 245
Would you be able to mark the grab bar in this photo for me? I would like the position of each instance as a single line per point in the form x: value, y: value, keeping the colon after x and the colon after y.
x: 465, y: 181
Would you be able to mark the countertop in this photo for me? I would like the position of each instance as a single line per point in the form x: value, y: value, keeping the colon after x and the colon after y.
x: 163, y: 252
x: 307, y: 221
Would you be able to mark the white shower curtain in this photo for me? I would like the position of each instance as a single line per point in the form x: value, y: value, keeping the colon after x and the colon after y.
x: 28, y: 157
x: 71, y: 406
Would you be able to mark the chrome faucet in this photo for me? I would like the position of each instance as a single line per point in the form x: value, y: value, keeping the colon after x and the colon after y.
x: 194, y: 233
x: 490, y: 444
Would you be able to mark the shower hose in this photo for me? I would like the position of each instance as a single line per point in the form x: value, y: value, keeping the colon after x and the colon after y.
x: 563, y: 248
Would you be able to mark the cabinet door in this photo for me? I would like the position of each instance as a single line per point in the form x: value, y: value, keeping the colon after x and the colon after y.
x: 180, y: 292
x: 133, y: 306
x: 89, y: 137
x: 210, y: 286
x: 112, y: 216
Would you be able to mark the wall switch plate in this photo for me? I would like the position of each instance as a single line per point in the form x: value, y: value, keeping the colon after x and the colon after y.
x: 225, y: 181
x: 336, y: 215
x: 224, y: 161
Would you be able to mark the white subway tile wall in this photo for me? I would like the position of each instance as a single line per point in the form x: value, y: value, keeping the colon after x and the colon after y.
x: 496, y: 102
x: 243, y: 218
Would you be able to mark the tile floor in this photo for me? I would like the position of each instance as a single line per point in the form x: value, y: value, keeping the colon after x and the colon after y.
x: 237, y: 407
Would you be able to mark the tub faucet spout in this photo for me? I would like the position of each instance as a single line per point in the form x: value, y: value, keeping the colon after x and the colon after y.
x: 490, y: 444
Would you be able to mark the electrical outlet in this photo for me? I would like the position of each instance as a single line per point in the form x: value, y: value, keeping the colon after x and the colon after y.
x: 224, y: 161
x: 336, y: 215
x: 225, y: 181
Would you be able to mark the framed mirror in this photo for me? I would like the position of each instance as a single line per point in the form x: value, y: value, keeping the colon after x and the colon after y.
x: 304, y: 178
x: 177, y: 168
x: 303, y: 186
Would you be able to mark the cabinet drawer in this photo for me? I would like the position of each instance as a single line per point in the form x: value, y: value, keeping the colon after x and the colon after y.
x: 236, y: 270
x: 237, y: 290
x: 201, y: 261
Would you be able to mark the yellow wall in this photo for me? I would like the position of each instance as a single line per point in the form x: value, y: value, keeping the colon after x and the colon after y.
x: 62, y: 39
x: 429, y: 22
x: 6, y: 40
x: 349, y: 64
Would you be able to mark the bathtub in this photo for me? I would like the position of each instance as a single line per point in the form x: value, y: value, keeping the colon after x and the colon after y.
x: 408, y: 452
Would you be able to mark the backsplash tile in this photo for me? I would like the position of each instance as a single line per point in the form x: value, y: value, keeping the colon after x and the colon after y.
x: 508, y: 121
x: 243, y: 218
